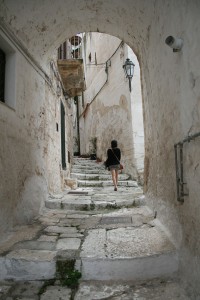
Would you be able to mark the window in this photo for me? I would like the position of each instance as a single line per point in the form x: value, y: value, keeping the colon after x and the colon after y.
x: 8, y: 58
x: 62, y: 51
x: 2, y: 75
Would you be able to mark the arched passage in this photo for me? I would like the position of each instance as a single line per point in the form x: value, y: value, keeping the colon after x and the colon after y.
x: 170, y: 83
x: 107, y: 106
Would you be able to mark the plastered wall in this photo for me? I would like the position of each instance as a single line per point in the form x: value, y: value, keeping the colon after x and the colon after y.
x: 172, y: 111
x: 30, y: 147
x: 137, y: 117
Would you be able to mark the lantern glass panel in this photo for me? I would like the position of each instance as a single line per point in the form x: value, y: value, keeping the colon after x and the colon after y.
x: 129, y: 68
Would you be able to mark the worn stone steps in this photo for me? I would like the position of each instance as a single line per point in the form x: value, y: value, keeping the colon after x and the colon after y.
x: 112, y: 237
x: 120, y: 253
x: 127, y: 254
x: 92, y: 174
x: 89, y: 194
x: 98, y: 171
x: 121, y: 245
x: 89, y: 166
x: 87, y: 163
x: 28, y: 264
x: 101, y: 183
x: 96, y: 200
x: 98, y: 177
x: 36, y: 257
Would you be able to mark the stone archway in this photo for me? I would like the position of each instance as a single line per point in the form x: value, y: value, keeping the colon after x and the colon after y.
x: 41, y: 26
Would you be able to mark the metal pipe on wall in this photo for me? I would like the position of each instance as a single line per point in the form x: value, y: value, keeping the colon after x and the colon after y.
x: 179, y: 164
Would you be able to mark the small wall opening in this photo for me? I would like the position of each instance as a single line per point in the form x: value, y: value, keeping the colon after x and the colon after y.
x: 8, y: 71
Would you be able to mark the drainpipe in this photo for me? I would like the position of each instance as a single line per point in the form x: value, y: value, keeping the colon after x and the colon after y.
x: 179, y: 164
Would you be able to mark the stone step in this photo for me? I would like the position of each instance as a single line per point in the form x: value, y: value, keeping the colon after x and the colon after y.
x: 87, y: 163
x: 100, y: 183
x: 89, y: 166
x: 32, y: 259
x: 90, y: 171
x: 27, y: 264
x: 81, y: 176
x: 127, y: 254
x: 124, y: 244
x: 146, y: 290
x: 96, y: 202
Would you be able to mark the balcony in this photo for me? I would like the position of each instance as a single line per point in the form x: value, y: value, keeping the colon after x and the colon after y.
x: 70, y: 66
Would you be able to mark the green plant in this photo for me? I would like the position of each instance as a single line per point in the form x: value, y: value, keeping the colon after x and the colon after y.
x: 66, y: 273
x: 71, y: 279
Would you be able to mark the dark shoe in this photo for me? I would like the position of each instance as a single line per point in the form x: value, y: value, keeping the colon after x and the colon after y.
x: 115, y: 189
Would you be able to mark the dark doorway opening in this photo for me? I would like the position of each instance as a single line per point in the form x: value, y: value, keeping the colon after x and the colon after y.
x: 63, y: 150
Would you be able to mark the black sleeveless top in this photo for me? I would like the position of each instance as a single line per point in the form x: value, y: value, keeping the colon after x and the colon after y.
x: 112, y: 159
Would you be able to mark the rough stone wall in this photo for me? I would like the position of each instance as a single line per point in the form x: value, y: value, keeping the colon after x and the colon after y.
x: 108, y: 116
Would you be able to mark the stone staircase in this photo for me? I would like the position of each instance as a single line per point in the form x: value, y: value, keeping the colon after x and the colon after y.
x: 91, y: 174
x: 95, y: 189
x: 108, y: 236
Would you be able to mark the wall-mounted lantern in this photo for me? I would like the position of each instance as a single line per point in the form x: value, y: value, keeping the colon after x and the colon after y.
x: 129, y: 69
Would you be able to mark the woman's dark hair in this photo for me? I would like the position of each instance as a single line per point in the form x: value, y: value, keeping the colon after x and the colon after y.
x: 113, y: 144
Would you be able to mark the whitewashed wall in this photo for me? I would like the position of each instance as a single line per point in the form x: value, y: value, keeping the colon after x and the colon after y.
x: 137, y: 116
x: 30, y: 151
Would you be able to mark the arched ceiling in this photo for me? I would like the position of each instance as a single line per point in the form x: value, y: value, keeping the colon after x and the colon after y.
x: 41, y: 25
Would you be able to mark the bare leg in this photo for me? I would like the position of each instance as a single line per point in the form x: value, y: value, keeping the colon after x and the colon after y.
x: 114, y: 178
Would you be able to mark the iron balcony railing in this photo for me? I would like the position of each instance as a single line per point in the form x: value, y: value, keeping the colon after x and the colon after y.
x: 71, y: 49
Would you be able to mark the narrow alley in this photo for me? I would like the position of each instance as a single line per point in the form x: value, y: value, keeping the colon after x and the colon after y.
x: 111, y: 240
x: 78, y: 79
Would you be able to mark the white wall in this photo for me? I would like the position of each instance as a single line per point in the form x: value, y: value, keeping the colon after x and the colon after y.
x: 30, y: 152
x: 137, y: 116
